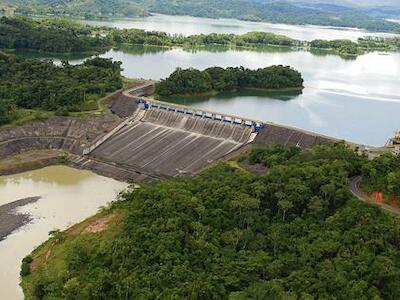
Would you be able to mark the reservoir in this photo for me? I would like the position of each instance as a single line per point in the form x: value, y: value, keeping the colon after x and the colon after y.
x: 354, y: 99
x: 192, y: 25
x: 67, y: 196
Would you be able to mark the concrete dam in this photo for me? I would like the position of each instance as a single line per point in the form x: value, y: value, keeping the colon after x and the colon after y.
x: 167, y: 144
x: 145, y: 139
x: 162, y: 140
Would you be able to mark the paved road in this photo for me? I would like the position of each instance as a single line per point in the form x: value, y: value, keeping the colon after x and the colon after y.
x: 357, y: 192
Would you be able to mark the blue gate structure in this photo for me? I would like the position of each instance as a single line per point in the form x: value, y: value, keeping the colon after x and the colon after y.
x: 154, y: 104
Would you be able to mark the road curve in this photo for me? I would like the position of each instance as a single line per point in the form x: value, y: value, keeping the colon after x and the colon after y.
x: 358, y: 193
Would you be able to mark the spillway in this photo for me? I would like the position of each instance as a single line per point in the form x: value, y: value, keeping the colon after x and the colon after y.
x: 167, y: 144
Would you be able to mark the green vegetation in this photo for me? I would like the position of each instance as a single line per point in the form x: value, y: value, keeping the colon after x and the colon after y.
x: 253, y: 10
x: 156, y: 38
x: 60, y: 35
x: 216, y: 79
x: 26, y: 266
x: 293, y: 233
x: 50, y: 35
x: 383, y: 175
x: 88, y: 9
x: 347, y: 47
x: 41, y: 85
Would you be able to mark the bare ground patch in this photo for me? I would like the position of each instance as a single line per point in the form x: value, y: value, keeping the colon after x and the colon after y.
x: 101, y: 224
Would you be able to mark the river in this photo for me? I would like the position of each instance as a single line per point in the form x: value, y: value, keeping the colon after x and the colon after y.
x: 68, y: 196
x: 192, y: 25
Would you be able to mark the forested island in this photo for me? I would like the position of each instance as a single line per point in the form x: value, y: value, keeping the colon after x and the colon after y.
x: 289, y: 12
x: 295, y: 232
x: 216, y: 79
x: 27, y: 84
x: 63, y: 36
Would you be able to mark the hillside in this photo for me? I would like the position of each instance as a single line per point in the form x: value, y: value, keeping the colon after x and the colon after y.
x: 271, y: 11
x: 81, y: 8
x: 230, y: 234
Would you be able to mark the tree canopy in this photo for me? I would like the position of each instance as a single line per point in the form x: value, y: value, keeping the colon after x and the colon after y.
x: 61, y: 35
x: 382, y: 174
x: 216, y: 79
x: 289, y: 12
x: 51, y: 35
x: 293, y: 233
x: 30, y: 83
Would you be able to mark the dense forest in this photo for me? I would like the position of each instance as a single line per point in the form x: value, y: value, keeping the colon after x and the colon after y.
x: 347, y: 47
x: 216, y: 79
x: 88, y: 9
x: 51, y: 35
x: 293, y: 233
x: 156, y: 38
x: 253, y: 10
x: 60, y: 35
x: 35, y: 84
x: 382, y: 174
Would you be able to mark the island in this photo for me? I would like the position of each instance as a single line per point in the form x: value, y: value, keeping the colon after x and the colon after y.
x: 216, y: 79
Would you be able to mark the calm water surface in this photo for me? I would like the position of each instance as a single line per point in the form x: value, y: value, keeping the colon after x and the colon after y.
x: 357, y: 100
x: 192, y: 25
x: 353, y: 99
x: 68, y: 197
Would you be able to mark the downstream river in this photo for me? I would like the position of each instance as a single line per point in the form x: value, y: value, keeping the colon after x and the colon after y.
x: 191, y: 25
x: 68, y: 196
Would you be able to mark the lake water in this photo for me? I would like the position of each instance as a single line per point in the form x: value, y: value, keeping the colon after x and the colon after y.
x: 353, y: 99
x: 68, y: 197
x: 192, y: 25
x: 357, y: 99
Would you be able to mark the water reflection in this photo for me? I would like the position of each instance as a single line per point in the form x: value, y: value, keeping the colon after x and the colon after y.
x: 355, y: 99
x: 191, y: 25
x: 227, y: 97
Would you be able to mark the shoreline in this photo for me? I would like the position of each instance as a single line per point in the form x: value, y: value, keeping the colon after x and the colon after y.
x: 10, y: 220
x: 215, y: 93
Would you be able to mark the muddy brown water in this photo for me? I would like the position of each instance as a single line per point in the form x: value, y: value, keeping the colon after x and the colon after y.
x: 68, y: 196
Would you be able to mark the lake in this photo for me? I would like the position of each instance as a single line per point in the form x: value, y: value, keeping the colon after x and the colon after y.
x: 192, y: 25
x: 68, y: 196
x: 353, y: 99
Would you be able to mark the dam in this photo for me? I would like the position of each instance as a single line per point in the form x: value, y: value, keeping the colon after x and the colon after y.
x: 164, y: 140
x: 167, y: 144
x: 144, y: 139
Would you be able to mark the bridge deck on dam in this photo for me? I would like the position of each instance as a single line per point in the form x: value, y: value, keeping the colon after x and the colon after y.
x: 167, y: 143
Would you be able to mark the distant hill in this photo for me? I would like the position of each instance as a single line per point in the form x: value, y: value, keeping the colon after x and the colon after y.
x: 315, y: 12
x: 81, y: 8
